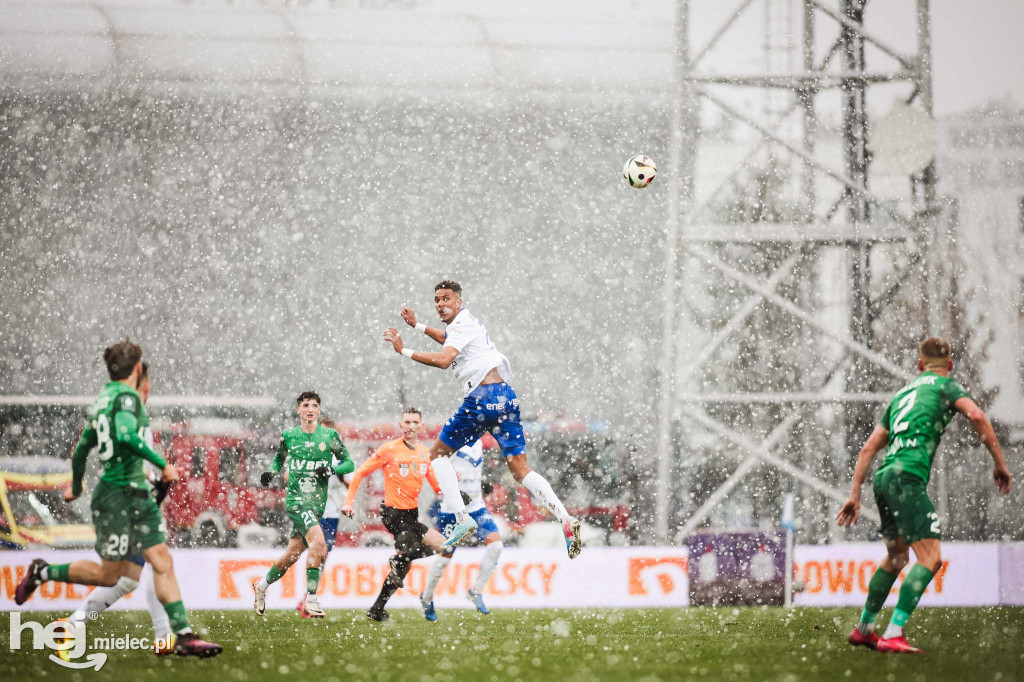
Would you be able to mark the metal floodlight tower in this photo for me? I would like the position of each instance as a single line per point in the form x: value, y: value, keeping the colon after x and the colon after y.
x: 838, y: 211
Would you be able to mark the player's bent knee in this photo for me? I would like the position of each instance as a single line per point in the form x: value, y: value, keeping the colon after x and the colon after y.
x: 159, y: 557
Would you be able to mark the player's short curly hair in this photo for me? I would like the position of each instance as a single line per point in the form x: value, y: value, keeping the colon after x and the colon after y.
x: 412, y: 410
x: 449, y: 284
x: 121, y: 359
x: 308, y: 395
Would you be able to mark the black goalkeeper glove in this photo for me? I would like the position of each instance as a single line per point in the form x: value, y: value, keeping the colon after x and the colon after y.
x: 160, y: 491
x: 322, y: 473
x: 465, y: 497
x: 486, y: 488
x: 265, y: 478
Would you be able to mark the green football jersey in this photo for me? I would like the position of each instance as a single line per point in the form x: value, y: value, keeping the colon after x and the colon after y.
x: 115, y: 430
x: 916, y: 418
x: 305, y: 452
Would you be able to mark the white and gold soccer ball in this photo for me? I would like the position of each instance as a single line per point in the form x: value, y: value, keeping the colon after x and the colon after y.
x: 639, y: 171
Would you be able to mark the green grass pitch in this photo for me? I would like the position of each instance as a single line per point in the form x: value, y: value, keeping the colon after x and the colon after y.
x: 562, y: 645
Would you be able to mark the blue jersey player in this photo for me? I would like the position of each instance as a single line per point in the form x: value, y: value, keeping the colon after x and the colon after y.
x: 490, y: 405
x: 468, y: 464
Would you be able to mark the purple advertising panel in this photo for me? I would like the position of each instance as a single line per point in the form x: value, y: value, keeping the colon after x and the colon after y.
x: 737, y: 567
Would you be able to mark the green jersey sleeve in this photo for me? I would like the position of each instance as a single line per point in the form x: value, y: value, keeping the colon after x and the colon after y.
x: 85, y: 444
x: 126, y: 431
x: 344, y: 465
x: 883, y: 421
x: 953, y: 391
x: 282, y: 453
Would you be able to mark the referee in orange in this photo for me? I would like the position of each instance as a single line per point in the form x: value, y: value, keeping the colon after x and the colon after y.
x: 406, y: 462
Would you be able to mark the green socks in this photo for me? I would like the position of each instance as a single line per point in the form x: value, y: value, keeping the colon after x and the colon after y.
x: 176, y: 614
x: 58, y: 572
x: 273, y: 575
x: 878, y: 590
x: 910, y: 593
x: 312, y: 580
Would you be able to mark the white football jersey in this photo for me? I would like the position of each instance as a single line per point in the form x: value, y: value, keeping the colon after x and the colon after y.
x: 477, y: 355
x: 468, y: 465
x: 335, y: 495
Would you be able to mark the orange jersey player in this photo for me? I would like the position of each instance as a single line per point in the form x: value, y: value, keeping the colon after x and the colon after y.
x: 406, y: 463
x: 405, y: 466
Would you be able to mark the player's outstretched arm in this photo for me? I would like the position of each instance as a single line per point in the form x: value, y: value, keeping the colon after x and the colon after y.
x: 275, y: 466
x: 442, y: 360
x: 126, y: 432
x: 373, y: 462
x: 410, y: 319
x: 980, y: 422
x: 342, y: 461
x: 850, y: 513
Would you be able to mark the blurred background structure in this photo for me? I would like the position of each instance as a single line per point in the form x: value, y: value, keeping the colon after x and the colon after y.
x: 252, y: 190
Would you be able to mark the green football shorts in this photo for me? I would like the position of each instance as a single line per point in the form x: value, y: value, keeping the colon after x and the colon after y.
x: 303, y: 517
x: 127, y: 520
x: 904, y: 507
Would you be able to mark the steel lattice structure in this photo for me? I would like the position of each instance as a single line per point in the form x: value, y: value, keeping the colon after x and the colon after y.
x: 839, y: 215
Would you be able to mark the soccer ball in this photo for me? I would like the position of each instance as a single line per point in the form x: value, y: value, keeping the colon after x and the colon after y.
x: 639, y: 171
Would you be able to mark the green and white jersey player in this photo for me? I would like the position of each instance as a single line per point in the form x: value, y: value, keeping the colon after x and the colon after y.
x: 909, y: 430
x: 126, y: 518
x: 313, y: 454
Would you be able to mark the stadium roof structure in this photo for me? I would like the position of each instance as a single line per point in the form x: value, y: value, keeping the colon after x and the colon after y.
x: 447, y: 49
x: 251, y: 402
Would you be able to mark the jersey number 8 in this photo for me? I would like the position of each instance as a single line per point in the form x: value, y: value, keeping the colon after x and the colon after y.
x: 103, y: 440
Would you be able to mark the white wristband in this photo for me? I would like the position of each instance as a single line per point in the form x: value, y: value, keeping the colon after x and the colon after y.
x: 420, y: 327
x: 407, y: 352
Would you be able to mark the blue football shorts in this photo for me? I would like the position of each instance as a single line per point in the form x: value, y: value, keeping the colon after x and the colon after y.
x: 492, y: 408
x: 330, y: 528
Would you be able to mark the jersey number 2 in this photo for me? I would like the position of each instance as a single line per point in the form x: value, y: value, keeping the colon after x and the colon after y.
x: 907, y: 404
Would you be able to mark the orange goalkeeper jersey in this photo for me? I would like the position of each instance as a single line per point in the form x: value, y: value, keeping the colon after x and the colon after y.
x: 404, y: 471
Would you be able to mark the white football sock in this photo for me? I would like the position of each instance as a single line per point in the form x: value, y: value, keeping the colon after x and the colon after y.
x: 434, y: 576
x: 542, y: 492
x: 262, y: 585
x: 101, y: 598
x: 157, y: 612
x: 449, y: 482
x: 893, y: 631
x: 487, y: 565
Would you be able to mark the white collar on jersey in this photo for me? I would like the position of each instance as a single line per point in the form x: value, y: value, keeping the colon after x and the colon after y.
x: 458, y: 315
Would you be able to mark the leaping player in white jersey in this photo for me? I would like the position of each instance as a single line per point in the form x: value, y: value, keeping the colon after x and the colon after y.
x: 490, y: 405
x: 468, y: 465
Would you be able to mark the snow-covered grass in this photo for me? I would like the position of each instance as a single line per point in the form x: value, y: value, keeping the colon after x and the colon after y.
x: 636, y: 645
